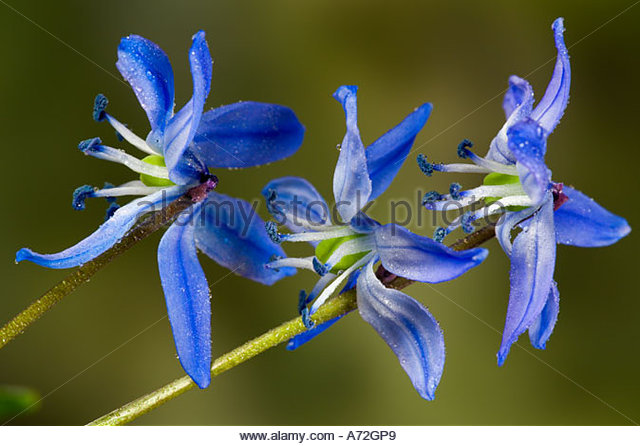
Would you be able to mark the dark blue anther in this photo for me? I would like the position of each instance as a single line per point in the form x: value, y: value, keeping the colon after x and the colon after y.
x: 302, y: 301
x: 270, y: 198
x: 89, y: 144
x: 80, y: 195
x: 463, y: 148
x: 454, y: 190
x: 272, y: 231
x: 319, y: 267
x: 271, y: 195
x: 99, y: 105
x: 467, y: 222
x: 425, y: 166
x: 439, y: 234
x: 113, y: 207
x: 431, y: 197
x: 306, y: 319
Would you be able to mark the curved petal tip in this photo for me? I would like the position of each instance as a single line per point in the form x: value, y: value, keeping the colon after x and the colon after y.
x: 480, y: 254
x: 344, y: 91
x: 502, y: 356
x: 202, y: 378
x: 24, y: 254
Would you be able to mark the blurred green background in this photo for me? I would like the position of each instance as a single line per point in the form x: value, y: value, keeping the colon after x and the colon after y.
x: 95, y: 351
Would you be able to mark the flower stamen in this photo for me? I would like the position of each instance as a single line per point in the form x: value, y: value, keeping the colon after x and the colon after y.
x: 329, y: 290
x: 94, y: 148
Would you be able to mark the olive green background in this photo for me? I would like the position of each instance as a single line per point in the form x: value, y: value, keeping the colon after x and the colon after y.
x: 108, y: 343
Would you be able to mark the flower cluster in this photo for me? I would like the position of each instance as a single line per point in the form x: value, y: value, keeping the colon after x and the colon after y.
x: 518, y: 185
x: 181, y: 148
x: 184, y: 150
x: 342, y: 251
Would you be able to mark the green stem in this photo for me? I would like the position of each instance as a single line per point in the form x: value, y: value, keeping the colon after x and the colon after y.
x: 337, y: 306
x: 340, y: 305
x: 141, y: 230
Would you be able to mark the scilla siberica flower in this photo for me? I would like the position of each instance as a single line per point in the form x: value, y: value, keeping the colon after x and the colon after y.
x: 518, y: 183
x: 342, y: 250
x: 181, y: 148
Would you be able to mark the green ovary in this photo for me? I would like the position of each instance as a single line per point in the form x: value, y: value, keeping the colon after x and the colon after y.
x: 501, y: 179
x: 327, y: 247
x: 148, y: 180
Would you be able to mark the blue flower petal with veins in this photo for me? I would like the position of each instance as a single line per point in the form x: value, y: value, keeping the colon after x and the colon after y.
x: 539, y: 211
x: 179, y: 161
x: 346, y: 254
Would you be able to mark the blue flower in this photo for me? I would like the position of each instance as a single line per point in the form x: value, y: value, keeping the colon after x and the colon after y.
x: 181, y: 148
x: 347, y: 253
x: 518, y: 185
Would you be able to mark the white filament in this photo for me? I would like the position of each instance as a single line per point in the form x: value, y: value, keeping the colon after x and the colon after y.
x: 133, y: 163
x: 129, y: 136
x: 329, y: 290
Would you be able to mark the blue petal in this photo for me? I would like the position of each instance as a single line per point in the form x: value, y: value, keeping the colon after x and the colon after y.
x: 542, y: 327
x: 107, y: 235
x: 188, y: 297
x: 532, y: 263
x: 420, y: 258
x: 407, y: 327
x: 386, y: 155
x: 519, y: 95
x: 303, y: 338
x: 528, y: 144
x: 182, y: 127
x: 506, y: 224
x: 351, y: 184
x: 294, y: 202
x: 247, y: 134
x: 517, y: 104
x: 148, y: 70
x: 583, y: 222
x: 232, y: 234
x: 552, y: 105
